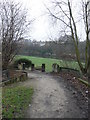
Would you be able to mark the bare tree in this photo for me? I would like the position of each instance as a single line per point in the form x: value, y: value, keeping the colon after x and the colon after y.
x: 13, y: 26
x: 65, y: 15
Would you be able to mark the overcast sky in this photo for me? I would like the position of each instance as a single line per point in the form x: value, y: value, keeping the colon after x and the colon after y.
x: 42, y: 27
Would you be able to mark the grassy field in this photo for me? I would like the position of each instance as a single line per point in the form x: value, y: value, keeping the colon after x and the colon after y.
x: 15, y: 100
x: 48, y: 62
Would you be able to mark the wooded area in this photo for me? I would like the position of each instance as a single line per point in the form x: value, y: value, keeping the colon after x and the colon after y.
x: 63, y: 48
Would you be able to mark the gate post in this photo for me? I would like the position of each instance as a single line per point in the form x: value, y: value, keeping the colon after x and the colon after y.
x: 32, y: 67
x: 43, y: 67
x: 58, y: 69
x: 23, y: 66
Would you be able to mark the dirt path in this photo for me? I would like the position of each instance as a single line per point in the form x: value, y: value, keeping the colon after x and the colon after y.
x: 51, y: 98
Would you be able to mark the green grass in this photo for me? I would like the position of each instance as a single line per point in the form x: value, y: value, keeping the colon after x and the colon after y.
x: 15, y: 101
x: 48, y: 62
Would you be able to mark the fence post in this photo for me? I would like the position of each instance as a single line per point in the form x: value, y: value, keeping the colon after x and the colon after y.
x: 43, y: 67
x: 53, y: 67
x: 32, y: 67
x: 58, y: 69
x: 23, y: 66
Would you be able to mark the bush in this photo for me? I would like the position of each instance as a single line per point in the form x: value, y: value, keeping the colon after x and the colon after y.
x: 22, y: 60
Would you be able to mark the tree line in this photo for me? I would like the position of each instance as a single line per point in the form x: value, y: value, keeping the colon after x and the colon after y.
x: 63, y: 48
x: 14, y: 24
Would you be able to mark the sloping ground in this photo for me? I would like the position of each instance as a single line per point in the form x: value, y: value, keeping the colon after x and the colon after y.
x: 53, y: 99
x: 0, y: 102
x: 73, y: 79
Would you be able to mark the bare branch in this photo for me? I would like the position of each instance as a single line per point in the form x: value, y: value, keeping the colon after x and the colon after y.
x: 13, y: 27
x: 54, y: 16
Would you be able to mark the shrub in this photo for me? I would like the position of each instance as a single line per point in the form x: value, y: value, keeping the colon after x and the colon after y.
x: 22, y: 60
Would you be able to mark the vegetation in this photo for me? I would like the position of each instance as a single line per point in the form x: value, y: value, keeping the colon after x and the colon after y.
x: 62, y: 48
x: 15, y: 100
x: 0, y: 101
x: 13, y: 26
x: 38, y: 61
x: 22, y: 60
x: 83, y: 81
x: 67, y: 17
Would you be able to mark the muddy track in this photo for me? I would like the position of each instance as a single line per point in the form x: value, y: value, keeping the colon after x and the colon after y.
x: 52, y: 98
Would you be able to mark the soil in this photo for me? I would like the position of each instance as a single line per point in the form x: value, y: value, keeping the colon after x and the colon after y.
x: 55, y: 96
x: 72, y: 79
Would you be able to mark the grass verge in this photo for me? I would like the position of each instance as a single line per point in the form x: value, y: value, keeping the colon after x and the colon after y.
x: 15, y: 101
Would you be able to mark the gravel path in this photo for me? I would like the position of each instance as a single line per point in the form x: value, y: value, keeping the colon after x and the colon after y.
x: 51, y: 98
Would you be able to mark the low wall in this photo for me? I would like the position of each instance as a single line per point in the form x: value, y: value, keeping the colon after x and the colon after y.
x: 9, y: 76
